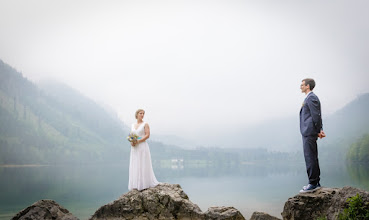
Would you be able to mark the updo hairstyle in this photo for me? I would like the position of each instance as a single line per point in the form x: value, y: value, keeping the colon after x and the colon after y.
x: 138, y: 111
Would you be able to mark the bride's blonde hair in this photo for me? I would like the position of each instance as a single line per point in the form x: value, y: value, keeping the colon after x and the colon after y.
x: 138, y: 111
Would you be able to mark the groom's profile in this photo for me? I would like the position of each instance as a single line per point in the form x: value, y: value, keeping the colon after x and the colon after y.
x: 311, y: 127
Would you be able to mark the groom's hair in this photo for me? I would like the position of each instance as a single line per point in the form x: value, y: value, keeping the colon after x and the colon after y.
x: 310, y: 82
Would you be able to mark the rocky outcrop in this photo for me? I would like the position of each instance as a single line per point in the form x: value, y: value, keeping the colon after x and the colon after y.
x: 44, y: 209
x: 165, y: 201
x: 325, y: 202
x: 262, y: 216
x: 309, y: 205
x: 168, y: 201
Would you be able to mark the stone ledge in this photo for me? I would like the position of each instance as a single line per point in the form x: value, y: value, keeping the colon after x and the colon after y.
x: 325, y: 202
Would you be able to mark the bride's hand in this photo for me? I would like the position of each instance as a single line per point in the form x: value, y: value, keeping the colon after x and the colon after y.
x: 133, y: 144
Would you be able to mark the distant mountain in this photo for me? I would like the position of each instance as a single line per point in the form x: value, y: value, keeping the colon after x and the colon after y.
x: 174, y: 141
x: 85, y: 111
x: 346, y: 127
x: 342, y: 128
x: 350, y: 121
x: 52, y: 123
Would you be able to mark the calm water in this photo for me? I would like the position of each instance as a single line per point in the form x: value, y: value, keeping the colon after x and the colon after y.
x: 253, y: 187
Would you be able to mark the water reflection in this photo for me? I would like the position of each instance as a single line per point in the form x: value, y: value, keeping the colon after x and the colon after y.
x: 359, y: 174
x: 248, y: 187
x: 79, y: 189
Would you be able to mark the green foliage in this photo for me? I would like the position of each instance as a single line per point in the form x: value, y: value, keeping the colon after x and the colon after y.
x: 359, y: 151
x: 356, y: 209
x: 322, y: 218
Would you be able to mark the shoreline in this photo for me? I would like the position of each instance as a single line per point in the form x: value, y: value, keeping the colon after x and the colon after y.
x: 24, y: 165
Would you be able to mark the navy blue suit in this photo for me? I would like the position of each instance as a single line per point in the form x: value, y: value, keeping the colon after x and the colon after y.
x: 310, y: 126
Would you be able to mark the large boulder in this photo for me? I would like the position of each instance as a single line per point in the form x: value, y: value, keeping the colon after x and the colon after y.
x: 45, y: 210
x: 325, y: 202
x: 165, y: 201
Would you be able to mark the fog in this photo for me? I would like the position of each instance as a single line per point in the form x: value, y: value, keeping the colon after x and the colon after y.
x: 198, y: 68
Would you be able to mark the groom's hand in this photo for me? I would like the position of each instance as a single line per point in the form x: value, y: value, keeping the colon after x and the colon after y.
x: 321, y: 134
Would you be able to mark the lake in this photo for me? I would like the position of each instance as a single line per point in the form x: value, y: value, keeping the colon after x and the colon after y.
x: 248, y: 187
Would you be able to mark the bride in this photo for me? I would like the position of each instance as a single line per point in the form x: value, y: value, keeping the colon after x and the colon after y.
x: 141, y: 174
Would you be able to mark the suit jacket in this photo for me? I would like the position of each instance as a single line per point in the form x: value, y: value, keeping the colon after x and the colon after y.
x: 310, y: 116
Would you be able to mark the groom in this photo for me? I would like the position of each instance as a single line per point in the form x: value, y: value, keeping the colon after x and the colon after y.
x: 311, y: 127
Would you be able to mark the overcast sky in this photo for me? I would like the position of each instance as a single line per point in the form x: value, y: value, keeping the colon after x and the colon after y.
x: 196, y: 67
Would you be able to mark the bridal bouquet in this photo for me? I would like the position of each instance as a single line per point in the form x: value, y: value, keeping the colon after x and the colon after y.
x: 133, y: 137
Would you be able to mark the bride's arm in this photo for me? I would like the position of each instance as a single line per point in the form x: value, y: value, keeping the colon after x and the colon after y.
x: 147, y: 134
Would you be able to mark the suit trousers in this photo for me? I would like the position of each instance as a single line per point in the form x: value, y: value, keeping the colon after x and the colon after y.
x: 311, y: 158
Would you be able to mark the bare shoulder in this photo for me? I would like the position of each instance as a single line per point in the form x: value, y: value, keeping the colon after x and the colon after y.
x: 147, y: 125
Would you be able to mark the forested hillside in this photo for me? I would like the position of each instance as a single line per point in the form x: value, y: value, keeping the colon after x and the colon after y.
x: 359, y: 151
x: 344, y: 128
x: 352, y: 120
x: 54, y: 124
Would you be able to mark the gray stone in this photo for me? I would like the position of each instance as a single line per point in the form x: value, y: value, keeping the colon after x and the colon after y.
x: 44, y: 210
x: 262, y: 216
x: 325, y: 202
x: 165, y: 201
x: 223, y: 213
x: 309, y: 205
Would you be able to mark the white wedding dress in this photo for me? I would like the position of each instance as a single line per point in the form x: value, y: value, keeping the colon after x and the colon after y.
x: 141, y: 174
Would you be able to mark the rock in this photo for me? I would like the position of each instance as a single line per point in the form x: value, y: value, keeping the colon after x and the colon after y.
x: 44, y: 209
x: 223, y: 213
x: 309, y: 205
x: 325, y: 202
x: 165, y: 201
x: 339, y: 201
x: 262, y: 216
